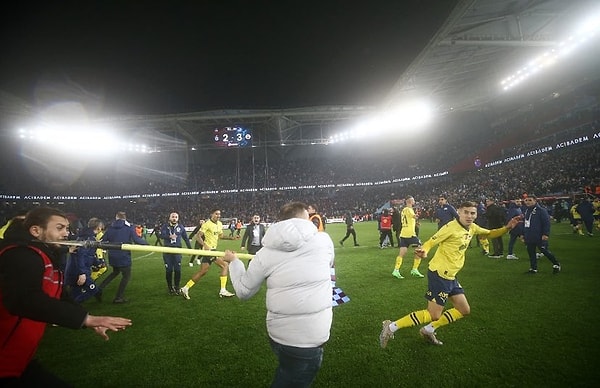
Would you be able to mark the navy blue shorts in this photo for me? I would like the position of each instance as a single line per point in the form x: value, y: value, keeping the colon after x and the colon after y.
x: 441, y: 289
x: 409, y: 242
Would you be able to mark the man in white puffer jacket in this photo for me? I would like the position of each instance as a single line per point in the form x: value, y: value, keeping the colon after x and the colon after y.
x: 295, y: 261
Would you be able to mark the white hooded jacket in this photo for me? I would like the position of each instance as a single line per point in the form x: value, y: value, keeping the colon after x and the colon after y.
x: 295, y: 261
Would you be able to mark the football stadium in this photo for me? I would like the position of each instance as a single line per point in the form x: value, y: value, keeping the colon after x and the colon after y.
x: 499, y: 109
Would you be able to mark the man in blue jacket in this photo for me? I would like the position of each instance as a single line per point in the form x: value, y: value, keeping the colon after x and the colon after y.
x: 120, y: 232
x: 536, y: 231
x: 586, y: 211
x: 445, y: 212
x: 172, y: 233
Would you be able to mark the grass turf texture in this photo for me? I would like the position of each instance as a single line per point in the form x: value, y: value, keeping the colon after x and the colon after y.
x: 523, y: 331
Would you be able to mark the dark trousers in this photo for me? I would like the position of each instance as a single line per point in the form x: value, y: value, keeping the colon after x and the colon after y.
x: 589, y: 223
x: 543, y: 247
x: 252, y: 249
x: 497, y: 246
x: 511, y: 243
x: 353, y: 233
x: 383, y: 233
x: 173, y: 269
x: 297, y: 367
x: 126, y: 275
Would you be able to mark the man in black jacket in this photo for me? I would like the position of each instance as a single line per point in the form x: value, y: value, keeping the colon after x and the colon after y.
x: 31, y: 296
x: 349, y: 220
x: 496, y: 216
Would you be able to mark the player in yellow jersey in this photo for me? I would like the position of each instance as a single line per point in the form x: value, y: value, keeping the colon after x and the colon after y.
x: 209, y: 235
x: 453, y: 240
x: 576, y: 218
x: 99, y: 269
x: 408, y: 238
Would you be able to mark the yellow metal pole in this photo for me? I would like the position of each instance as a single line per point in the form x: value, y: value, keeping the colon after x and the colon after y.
x: 183, y: 251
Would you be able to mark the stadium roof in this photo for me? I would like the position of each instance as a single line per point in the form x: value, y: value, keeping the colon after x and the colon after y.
x: 481, y: 42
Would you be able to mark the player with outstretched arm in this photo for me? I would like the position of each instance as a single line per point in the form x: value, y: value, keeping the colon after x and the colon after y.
x: 453, y: 240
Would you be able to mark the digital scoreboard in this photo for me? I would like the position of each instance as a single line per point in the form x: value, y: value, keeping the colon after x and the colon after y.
x: 229, y: 137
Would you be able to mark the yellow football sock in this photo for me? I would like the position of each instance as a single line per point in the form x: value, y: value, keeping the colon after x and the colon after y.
x: 223, y: 280
x: 398, y: 262
x: 485, y: 244
x: 190, y: 284
x: 413, y: 319
x: 447, y: 317
x: 416, y: 263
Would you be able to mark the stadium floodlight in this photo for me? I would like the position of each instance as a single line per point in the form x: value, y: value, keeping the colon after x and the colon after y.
x: 411, y: 115
x: 404, y: 117
x: 587, y: 31
x: 590, y: 26
x: 78, y: 138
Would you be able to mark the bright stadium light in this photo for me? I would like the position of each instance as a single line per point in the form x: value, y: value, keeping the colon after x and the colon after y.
x: 405, y: 117
x: 75, y: 139
x: 587, y: 31
x: 414, y: 114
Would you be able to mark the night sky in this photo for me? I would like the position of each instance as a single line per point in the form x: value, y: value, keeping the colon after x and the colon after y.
x: 150, y: 57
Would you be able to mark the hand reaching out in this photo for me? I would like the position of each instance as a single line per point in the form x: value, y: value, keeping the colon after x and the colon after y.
x: 101, y: 324
x: 514, y: 221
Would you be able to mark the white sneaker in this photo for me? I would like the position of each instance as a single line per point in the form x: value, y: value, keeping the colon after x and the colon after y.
x: 191, y: 264
x: 430, y: 337
x: 539, y: 254
x: 184, y: 292
x: 198, y: 262
x: 511, y: 257
x: 225, y: 294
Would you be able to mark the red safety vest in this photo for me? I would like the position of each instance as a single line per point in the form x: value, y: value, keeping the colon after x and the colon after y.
x: 385, y: 223
x: 19, y: 337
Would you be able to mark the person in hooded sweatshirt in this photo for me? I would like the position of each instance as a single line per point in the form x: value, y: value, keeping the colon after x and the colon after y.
x: 295, y: 262
x: 120, y: 232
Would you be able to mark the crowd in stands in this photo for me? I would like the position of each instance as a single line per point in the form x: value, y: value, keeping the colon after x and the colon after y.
x: 326, y: 181
x: 562, y: 173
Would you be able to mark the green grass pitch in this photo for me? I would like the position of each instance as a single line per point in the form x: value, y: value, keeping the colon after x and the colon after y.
x: 523, y: 331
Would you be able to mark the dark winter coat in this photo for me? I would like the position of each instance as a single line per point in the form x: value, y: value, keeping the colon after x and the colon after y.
x: 121, y: 232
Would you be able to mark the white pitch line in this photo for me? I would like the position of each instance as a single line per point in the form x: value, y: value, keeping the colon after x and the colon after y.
x: 141, y: 257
